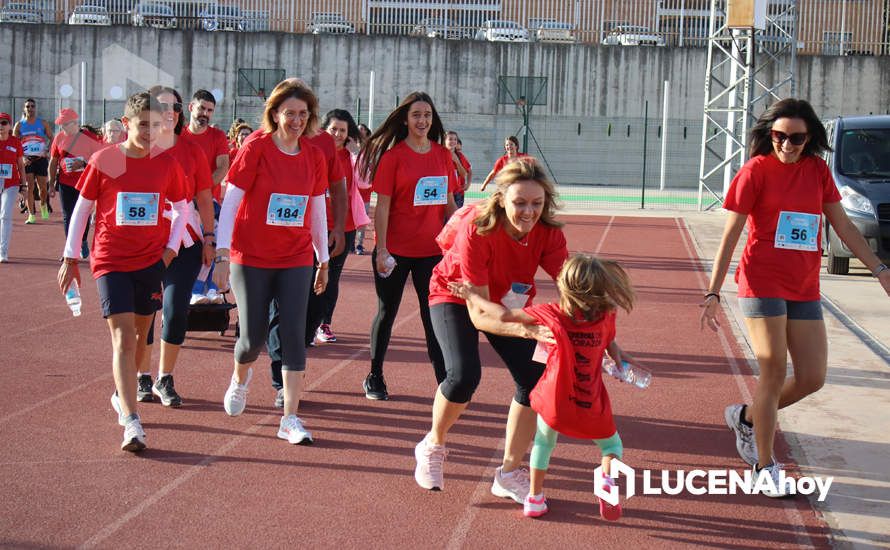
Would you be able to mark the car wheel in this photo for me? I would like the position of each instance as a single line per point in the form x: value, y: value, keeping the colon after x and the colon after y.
x: 836, y: 265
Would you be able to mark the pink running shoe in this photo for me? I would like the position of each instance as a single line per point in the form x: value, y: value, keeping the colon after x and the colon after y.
x: 325, y: 334
x: 607, y: 511
x: 533, y: 508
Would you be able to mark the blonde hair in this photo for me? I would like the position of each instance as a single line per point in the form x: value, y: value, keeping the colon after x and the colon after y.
x: 286, y: 89
x: 589, y: 287
x: 492, y: 212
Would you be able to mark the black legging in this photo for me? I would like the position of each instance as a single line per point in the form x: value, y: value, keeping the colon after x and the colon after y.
x: 68, y: 197
x: 459, y: 340
x: 389, y: 297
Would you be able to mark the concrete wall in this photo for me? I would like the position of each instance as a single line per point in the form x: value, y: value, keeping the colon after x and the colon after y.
x: 589, y: 85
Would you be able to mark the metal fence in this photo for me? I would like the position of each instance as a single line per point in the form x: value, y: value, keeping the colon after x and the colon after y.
x: 825, y: 27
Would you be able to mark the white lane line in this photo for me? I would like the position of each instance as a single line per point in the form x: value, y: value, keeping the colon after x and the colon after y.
x: 462, y: 529
x: 791, y: 512
x: 111, y: 528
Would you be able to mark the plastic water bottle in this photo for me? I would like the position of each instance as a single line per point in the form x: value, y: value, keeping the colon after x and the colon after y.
x: 390, y: 264
x: 627, y: 373
x: 72, y: 296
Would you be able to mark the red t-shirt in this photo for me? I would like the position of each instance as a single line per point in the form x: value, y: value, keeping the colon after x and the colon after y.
x: 570, y: 396
x: 80, y: 145
x: 233, y: 152
x: 272, y: 227
x: 418, y: 184
x: 214, y: 143
x: 503, y: 161
x: 10, y: 153
x: 462, y: 181
x: 197, y: 178
x: 762, y: 188
x: 498, y: 261
x: 344, y: 160
x: 130, y: 193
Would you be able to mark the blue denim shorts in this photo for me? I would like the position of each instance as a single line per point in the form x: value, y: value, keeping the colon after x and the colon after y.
x: 776, y: 307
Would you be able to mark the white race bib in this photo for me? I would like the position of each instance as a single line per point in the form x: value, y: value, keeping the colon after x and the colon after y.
x: 797, y: 231
x: 286, y: 210
x: 431, y: 191
x: 69, y: 164
x: 5, y: 171
x: 137, y: 208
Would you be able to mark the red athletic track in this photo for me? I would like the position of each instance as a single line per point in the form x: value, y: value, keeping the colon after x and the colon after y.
x: 209, y: 480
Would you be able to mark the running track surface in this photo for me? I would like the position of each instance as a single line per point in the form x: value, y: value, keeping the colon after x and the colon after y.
x: 209, y: 480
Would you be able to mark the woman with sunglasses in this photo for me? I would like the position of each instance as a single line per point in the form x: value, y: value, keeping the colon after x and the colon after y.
x: 12, y: 168
x: 781, y: 193
x: 198, y: 247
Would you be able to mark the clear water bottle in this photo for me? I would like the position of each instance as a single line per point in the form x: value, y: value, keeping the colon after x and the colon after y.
x: 627, y: 373
x: 72, y: 296
x: 390, y: 264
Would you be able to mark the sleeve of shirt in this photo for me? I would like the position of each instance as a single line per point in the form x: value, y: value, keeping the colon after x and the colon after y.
x: 555, y: 253
x: 89, y: 182
x: 742, y: 192
x: 221, y: 146
x: 454, y: 185
x: 475, y: 254
x: 243, y: 172
x: 321, y: 172
x: 335, y: 168
x: 203, y: 177
x: 384, y: 178
x: 829, y: 189
x: 499, y: 164
x: 19, y: 151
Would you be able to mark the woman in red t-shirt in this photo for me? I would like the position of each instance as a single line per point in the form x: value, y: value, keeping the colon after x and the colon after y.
x: 497, y: 246
x: 198, y: 248
x: 511, y: 148
x: 782, y: 193
x: 570, y: 398
x: 132, y: 244
x: 240, y: 132
x: 414, y: 178
x: 12, y: 166
x: 273, y: 221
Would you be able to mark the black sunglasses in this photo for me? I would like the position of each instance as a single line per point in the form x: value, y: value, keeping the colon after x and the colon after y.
x: 175, y: 107
x: 4, y: 123
x: 796, y: 139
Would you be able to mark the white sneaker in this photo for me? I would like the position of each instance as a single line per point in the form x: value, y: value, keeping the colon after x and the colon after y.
x: 236, y: 395
x: 291, y: 429
x: 213, y: 296
x: 197, y: 299
x: 744, y: 435
x: 430, y: 460
x: 773, y: 472
x: 513, y: 485
x: 134, y: 437
x: 4, y: 258
x: 116, y: 405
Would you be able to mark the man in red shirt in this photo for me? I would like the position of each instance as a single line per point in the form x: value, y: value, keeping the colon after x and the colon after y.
x: 211, y: 140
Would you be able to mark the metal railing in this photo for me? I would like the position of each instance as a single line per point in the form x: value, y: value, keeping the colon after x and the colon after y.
x: 826, y: 27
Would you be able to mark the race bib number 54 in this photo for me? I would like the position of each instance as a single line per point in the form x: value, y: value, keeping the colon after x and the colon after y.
x: 137, y: 208
x: 797, y: 231
x: 431, y: 190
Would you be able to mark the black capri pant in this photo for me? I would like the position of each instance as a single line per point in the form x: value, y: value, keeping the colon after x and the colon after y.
x: 459, y: 341
x: 255, y: 288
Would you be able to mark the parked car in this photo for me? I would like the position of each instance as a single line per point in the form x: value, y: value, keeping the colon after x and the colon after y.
x: 329, y: 23
x: 20, y: 12
x: 89, y: 14
x: 438, y: 27
x: 154, y: 14
x: 554, y: 31
x: 218, y: 17
x: 860, y: 165
x: 631, y: 35
x: 498, y: 30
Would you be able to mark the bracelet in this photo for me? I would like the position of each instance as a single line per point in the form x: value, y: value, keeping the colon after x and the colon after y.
x: 881, y: 268
x: 211, y: 243
x: 209, y: 234
x: 714, y: 294
x: 71, y: 261
x: 323, y: 266
x: 221, y: 259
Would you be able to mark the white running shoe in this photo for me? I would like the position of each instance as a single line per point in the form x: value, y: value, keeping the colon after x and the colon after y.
x: 772, y: 471
x: 513, y: 485
x: 534, y: 508
x: 236, y: 395
x: 430, y: 461
x: 198, y: 299
x: 744, y: 435
x: 116, y: 405
x: 213, y: 296
x: 134, y: 437
x: 292, y: 430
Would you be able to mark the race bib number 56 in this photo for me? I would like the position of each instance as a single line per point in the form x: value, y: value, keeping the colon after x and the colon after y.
x: 797, y: 231
x: 137, y: 208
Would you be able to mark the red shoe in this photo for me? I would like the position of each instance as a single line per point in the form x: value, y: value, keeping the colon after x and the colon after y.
x: 607, y: 511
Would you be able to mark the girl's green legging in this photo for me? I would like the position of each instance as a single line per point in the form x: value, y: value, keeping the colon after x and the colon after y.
x: 545, y: 442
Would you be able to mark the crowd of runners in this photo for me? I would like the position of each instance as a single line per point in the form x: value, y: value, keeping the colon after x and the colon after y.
x: 181, y: 212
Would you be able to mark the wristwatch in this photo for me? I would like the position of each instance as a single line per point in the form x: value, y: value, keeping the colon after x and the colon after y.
x: 221, y: 259
x: 879, y: 269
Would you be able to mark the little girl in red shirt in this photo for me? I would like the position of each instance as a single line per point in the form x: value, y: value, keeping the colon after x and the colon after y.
x: 570, y: 397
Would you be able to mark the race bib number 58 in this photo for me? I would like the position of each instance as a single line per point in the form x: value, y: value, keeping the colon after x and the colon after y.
x: 797, y: 231
x: 137, y: 208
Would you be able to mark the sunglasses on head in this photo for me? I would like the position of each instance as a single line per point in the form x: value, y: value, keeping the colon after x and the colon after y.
x: 796, y: 139
x: 175, y: 107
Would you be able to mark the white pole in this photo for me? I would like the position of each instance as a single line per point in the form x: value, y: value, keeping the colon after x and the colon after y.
x: 371, y: 103
x: 664, y: 133
x: 83, y: 90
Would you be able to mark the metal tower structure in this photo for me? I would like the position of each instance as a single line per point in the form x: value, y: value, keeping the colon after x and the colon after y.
x: 747, y: 68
